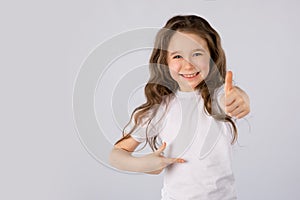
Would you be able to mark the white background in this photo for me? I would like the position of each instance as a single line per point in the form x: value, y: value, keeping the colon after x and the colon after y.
x: 42, y: 46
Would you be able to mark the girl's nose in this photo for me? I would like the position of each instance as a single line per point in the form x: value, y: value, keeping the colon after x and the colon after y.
x: 187, y: 64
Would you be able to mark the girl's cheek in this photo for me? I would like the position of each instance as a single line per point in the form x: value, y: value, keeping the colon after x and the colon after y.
x: 174, y: 66
x: 202, y: 64
x: 205, y: 70
x: 204, y: 67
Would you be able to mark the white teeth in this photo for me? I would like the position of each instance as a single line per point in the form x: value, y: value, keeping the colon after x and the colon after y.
x: 189, y: 75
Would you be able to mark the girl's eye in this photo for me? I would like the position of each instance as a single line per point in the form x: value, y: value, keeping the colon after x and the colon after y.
x: 177, y: 56
x: 197, y: 54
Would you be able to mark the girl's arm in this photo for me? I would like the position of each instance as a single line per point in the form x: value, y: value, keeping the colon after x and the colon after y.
x: 153, y: 163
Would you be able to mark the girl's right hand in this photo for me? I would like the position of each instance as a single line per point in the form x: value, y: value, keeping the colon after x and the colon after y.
x: 155, y: 162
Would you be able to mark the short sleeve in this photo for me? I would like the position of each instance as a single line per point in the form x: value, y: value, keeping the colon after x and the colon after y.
x: 143, y: 130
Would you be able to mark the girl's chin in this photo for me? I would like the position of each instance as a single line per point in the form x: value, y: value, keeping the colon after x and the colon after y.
x: 192, y: 84
x: 188, y: 88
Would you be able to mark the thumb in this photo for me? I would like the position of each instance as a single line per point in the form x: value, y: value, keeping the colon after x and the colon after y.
x: 228, y: 81
x: 161, y: 149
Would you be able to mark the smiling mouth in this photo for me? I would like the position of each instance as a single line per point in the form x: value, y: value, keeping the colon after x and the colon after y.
x: 189, y: 75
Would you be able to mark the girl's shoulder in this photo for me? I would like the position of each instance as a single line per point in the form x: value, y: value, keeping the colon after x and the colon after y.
x: 219, y: 90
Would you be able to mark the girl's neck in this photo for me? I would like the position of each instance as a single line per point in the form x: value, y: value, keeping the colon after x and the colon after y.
x: 193, y: 93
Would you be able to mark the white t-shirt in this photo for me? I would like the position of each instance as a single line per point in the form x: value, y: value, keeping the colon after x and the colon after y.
x: 202, y: 141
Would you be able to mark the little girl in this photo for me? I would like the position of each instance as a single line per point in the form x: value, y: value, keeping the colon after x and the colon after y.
x: 188, y: 113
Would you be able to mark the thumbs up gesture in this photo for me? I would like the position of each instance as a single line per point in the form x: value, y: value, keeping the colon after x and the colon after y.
x: 235, y: 102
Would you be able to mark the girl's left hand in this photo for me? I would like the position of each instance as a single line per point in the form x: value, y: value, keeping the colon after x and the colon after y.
x: 235, y: 102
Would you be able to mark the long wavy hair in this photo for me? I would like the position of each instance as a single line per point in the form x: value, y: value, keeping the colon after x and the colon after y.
x: 161, y: 86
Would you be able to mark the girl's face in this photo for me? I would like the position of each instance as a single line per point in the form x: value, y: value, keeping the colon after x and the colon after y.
x: 188, y: 60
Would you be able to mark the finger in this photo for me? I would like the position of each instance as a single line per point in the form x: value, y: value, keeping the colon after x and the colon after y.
x: 161, y: 148
x: 229, y: 98
x: 228, y: 81
x: 174, y: 160
x: 229, y: 102
x: 240, y: 111
x: 232, y: 107
x: 242, y: 114
x: 234, y: 100
x: 236, y: 111
x: 180, y: 160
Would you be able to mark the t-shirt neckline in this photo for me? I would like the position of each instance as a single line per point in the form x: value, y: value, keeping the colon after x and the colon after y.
x: 190, y: 94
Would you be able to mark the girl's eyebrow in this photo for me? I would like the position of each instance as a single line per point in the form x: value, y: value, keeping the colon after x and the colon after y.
x: 175, y: 52
x: 199, y: 49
